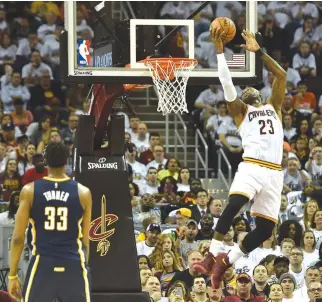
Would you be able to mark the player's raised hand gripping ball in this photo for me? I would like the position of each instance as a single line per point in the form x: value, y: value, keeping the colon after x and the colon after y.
x: 217, y: 37
x: 226, y: 25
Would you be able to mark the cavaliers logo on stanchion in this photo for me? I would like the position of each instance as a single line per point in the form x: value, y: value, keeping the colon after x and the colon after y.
x: 102, y: 223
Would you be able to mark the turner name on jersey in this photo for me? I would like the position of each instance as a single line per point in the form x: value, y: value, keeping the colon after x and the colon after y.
x: 261, y: 113
x: 56, y: 195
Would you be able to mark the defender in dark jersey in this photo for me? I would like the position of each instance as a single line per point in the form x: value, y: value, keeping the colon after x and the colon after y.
x: 59, y: 210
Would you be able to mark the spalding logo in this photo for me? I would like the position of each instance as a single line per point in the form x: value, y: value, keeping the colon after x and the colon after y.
x: 102, y: 165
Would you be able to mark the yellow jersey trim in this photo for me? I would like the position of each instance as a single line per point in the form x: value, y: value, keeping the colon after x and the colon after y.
x: 56, y: 179
x: 31, y: 278
x: 263, y: 216
x: 34, y: 236
x: 239, y: 193
x: 82, y: 260
x: 263, y: 163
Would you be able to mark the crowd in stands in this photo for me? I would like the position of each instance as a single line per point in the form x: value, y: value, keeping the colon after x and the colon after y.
x: 288, y: 266
x: 174, y: 216
x: 36, y: 107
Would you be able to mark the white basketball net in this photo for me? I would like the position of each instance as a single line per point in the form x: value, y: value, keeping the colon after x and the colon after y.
x: 171, y: 80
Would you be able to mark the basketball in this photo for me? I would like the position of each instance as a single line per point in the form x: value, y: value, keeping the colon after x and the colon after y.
x: 227, y: 25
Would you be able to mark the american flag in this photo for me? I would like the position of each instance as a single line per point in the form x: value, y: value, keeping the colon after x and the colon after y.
x: 236, y: 60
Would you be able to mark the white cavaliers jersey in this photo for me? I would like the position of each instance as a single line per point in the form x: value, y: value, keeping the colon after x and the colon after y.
x: 262, y: 136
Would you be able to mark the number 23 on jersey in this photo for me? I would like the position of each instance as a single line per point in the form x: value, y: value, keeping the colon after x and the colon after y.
x: 56, y: 219
x: 266, y: 127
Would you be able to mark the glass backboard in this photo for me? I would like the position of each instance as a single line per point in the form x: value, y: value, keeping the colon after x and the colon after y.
x: 105, y: 40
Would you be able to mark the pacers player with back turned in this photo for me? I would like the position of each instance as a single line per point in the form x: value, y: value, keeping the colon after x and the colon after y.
x: 59, y: 210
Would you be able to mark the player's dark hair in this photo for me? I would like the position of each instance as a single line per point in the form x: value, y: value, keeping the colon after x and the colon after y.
x: 56, y: 155
x: 36, y: 157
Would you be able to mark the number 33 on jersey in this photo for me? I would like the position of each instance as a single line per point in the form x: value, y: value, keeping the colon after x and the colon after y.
x: 56, y: 216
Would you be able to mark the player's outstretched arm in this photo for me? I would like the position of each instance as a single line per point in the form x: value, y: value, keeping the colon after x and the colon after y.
x: 18, y: 238
x: 21, y: 224
x: 235, y: 106
x: 86, y: 201
x: 279, y: 83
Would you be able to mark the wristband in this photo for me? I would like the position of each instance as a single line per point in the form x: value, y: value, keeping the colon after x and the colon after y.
x: 13, y: 277
x: 261, y: 52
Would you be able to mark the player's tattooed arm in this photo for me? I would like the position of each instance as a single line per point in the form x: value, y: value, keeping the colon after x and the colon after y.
x: 279, y: 83
x: 86, y: 201
x: 21, y: 224
x: 237, y: 110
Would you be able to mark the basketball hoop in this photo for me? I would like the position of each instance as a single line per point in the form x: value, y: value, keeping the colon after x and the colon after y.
x: 135, y: 87
x: 170, y: 76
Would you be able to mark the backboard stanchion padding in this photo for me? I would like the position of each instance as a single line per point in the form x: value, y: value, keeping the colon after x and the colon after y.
x: 115, y: 275
x: 84, y: 136
x: 116, y: 135
x: 105, y: 95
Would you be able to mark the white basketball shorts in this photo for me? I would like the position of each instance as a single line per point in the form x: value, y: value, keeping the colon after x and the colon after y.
x: 263, y: 185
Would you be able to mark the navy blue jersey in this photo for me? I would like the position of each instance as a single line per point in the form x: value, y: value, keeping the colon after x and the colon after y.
x: 56, y: 216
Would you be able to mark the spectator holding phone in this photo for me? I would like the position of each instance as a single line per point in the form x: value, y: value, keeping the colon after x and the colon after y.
x: 178, y: 292
x: 153, y: 287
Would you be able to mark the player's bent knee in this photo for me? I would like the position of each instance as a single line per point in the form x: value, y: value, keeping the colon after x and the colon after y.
x: 236, y: 202
x: 265, y: 226
x: 263, y: 231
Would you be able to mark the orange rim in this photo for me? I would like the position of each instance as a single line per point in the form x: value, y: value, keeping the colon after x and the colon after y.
x: 138, y: 87
x: 164, y: 61
x: 135, y: 87
x: 158, y: 65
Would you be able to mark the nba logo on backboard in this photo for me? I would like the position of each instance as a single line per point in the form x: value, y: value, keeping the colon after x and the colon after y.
x: 83, y: 54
